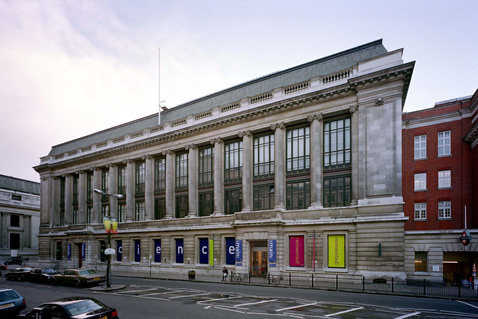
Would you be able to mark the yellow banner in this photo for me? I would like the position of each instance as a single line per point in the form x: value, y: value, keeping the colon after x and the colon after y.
x: 211, y: 252
x: 336, y: 245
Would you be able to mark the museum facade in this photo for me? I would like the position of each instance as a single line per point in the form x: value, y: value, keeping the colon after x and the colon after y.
x: 298, y: 171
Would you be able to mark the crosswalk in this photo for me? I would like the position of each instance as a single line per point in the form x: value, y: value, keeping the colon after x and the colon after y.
x: 286, y: 307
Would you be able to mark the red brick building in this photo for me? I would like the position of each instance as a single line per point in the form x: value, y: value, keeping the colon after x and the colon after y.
x: 440, y: 189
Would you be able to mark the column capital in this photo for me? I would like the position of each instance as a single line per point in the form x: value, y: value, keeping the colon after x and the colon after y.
x: 149, y: 157
x: 245, y: 133
x: 168, y: 152
x: 353, y: 108
x: 277, y: 125
x: 217, y: 140
x: 190, y: 147
x: 315, y: 116
x: 130, y: 161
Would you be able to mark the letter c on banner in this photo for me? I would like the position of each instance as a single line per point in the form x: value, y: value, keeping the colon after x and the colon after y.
x: 120, y: 249
x: 204, y: 248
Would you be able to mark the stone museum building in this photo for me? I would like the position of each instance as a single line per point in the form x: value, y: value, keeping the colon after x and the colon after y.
x: 19, y: 217
x: 299, y: 171
x: 440, y: 189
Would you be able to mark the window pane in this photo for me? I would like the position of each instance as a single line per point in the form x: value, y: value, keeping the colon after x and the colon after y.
x: 421, y: 261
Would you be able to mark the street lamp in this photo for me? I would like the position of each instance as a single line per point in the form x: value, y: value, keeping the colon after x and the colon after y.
x: 110, y: 225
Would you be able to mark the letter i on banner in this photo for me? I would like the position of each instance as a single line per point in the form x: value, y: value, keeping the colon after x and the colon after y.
x: 211, y: 252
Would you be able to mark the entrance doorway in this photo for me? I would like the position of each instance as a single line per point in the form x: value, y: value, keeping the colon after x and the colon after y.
x: 80, y: 260
x: 458, y: 267
x: 258, y: 262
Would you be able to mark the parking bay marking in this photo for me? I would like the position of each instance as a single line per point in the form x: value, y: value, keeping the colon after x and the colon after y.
x: 409, y: 315
x: 194, y: 295
x: 217, y: 299
x: 140, y: 290
x: 468, y: 304
x: 254, y: 303
x: 342, y: 312
x: 297, y: 307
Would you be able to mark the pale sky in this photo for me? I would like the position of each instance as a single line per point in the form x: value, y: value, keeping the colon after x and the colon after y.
x: 71, y: 68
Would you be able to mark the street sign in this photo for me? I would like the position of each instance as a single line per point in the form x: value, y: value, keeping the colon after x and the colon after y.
x: 109, y: 251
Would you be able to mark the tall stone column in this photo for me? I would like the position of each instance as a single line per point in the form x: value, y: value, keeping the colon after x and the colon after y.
x: 193, y: 180
x: 129, y: 175
x: 68, y: 199
x: 82, y: 197
x: 246, y: 171
x: 149, y: 188
x: 355, y: 145
x: 170, y: 184
x: 113, y: 189
x: 315, y: 160
x: 54, y: 204
x: 218, y: 176
x: 45, y: 199
x: 96, y: 212
x: 279, y: 165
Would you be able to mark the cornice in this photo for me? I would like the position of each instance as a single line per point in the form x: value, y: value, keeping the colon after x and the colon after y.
x: 402, y: 72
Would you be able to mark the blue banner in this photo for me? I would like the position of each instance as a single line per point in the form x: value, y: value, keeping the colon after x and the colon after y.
x: 230, y: 251
x: 179, y: 250
x: 68, y: 251
x: 239, y: 252
x: 203, y: 250
x: 272, y: 248
x: 157, y: 250
x: 137, y: 250
x: 119, y: 250
x: 83, y: 251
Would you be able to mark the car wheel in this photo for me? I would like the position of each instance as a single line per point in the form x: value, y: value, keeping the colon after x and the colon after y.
x: 78, y: 284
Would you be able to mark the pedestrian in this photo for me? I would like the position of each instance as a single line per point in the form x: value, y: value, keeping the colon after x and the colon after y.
x: 225, y: 272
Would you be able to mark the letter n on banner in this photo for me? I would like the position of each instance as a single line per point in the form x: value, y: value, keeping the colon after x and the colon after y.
x: 211, y: 252
x: 296, y: 251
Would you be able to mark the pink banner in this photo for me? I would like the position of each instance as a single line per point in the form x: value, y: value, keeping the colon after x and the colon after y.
x: 296, y: 251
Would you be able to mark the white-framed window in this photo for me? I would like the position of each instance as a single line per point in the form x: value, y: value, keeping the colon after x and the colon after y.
x: 444, y: 209
x: 444, y: 143
x: 420, y: 211
x: 420, y: 182
x: 444, y: 179
x: 420, y: 147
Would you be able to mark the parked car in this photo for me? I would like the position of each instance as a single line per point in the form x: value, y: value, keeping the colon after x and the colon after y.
x: 79, y: 277
x: 19, y: 274
x: 18, y: 260
x: 11, y: 302
x: 72, y: 307
x: 46, y: 276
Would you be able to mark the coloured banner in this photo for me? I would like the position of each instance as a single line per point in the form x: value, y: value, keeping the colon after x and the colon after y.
x: 119, y: 250
x: 336, y: 251
x: 272, y: 251
x: 296, y: 251
x: 179, y: 250
x: 239, y: 252
x: 203, y: 251
x: 230, y: 251
x: 68, y: 251
x: 157, y: 250
x: 137, y: 250
x: 211, y: 252
x: 83, y: 251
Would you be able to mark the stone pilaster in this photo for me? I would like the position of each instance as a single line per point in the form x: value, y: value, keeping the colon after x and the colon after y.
x: 193, y: 180
x: 315, y: 160
x: 246, y: 171
x: 129, y: 176
x: 279, y: 164
x: 355, y: 140
x: 149, y: 188
x: 82, y: 197
x: 218, y: 176
x: 170, y: 184
x: 113, y: 189
x: 55, y: 203
x: 96, y: 212
x: 45, y: 199
x: 68, y: 199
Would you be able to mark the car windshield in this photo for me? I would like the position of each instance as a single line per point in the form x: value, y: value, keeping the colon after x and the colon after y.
x: 8, y: 295
x: 92, y: 271
x: 82, y: 306
x: 84, y: 272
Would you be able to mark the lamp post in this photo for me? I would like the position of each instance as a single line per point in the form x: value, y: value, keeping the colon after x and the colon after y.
x: 110, y: 226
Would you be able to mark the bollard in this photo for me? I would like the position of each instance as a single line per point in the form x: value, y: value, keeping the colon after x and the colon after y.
x: 269, y: 277
x: 290, y: 280
x: 249, y: 278
x: 392, y: 284
x: 424, y: 286
x: 312, y: 280
x: 336, y: 281
x: 363, y: 283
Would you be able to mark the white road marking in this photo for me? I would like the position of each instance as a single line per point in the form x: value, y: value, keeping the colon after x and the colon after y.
x: 207, y: 307
x: 154, y: 293
x: 217, y: 299
x: 185, y: 296
x: 140, y: 290
x: 468, y: 304
x: 254, y: 303
x: 228, y: 309
x: 409, y: 315
x: 297, y: 307
x: 342, y: 312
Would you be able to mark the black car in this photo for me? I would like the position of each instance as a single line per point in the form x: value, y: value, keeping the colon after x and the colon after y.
x: 72, y: 307
x: 46, y: 276
x: 19, y: 274
x: 11, y: 302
